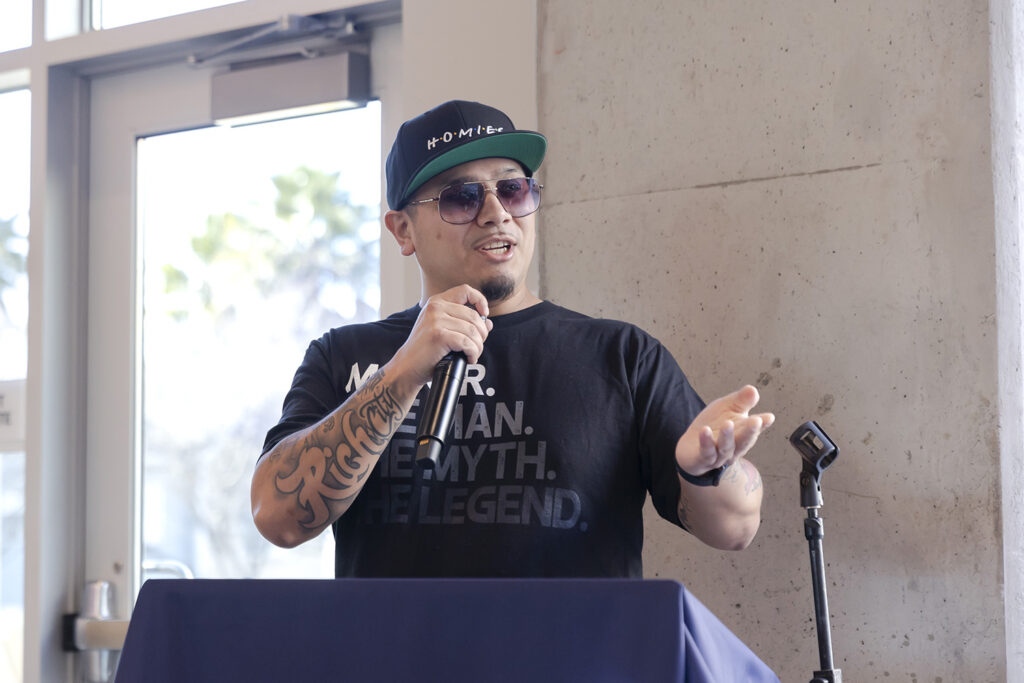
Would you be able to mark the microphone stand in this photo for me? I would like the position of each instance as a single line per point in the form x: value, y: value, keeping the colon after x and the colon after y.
x: 818, y: 453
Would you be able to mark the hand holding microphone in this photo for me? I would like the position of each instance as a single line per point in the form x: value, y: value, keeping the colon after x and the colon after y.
x: 456, y: 320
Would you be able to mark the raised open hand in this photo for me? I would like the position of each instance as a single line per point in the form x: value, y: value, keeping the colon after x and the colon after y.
x: 723, y: 432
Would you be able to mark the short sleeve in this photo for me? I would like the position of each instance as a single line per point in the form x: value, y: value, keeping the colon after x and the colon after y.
x: 665, y: 406
x: 312, y: 395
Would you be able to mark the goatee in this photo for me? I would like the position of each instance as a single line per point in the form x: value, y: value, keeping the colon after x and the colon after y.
x: 498, y: 289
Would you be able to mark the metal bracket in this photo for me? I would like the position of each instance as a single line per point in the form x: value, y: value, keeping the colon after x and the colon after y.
x: 81, y: 634
x: 288, y: 26
x: 95, y: 632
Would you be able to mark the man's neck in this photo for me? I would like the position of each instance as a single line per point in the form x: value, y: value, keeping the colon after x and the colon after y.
x: 516, y: 301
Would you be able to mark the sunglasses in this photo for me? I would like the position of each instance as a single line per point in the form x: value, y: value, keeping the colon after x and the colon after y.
x: 461, y: 203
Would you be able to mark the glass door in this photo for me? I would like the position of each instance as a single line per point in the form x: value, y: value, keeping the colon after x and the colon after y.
x: 14, y: 200
x: 255, y: 240
x: 215, y: 256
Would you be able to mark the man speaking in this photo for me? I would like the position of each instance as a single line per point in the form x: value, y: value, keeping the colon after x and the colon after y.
x: 565, y: 422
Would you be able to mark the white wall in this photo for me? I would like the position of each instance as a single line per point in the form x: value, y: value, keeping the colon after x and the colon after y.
x: 799, y: 195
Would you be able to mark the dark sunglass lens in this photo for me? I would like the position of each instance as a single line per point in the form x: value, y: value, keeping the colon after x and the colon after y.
x: 519, y: 196
x: 460, y: 203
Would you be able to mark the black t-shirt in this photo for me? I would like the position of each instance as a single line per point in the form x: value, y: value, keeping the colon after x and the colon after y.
x: 564, y: 425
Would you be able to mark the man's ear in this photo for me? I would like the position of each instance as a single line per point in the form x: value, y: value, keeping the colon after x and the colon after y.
x: 399, y: 224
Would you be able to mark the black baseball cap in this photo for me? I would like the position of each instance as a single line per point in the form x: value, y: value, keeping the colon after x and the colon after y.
x: 452, y: 134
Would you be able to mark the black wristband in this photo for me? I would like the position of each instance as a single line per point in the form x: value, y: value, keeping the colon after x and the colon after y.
x: 709, y: 478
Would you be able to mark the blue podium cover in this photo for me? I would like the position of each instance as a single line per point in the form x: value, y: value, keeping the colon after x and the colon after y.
x: 429, y: 630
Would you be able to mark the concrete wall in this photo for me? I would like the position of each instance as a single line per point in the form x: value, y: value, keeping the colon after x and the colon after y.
x: 800, y: 195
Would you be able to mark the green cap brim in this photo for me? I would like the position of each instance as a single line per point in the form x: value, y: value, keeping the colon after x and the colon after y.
x: 526, y: 147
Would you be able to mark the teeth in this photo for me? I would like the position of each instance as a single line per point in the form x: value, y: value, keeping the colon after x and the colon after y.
x: 496, y: 247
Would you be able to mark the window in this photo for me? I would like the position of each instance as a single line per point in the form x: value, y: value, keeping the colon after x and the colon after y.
x: 14, y: 200
x: 16, y: 25
x: 247, y: 256
x: 114, y: 13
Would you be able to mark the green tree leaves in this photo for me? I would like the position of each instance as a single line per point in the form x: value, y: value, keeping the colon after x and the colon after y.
x: 318, y: 244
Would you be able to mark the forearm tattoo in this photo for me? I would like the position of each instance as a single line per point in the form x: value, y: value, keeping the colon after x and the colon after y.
x: 330, y: 463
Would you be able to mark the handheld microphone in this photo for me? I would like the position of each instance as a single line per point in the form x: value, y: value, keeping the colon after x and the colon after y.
x: 436, y: 417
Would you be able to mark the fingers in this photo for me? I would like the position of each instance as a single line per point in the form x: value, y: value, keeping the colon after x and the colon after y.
x: 455, y: 320
x: 468, y: 297
x: 743, y: 400
x: 726, y: 432
x: 719, y: 449
x: 746, y: 435
x: 733, y: 439
x: 726, y: 445
x: 738, y: 405
x: 708, y: 453
x: 455, y: 329
x: 739, y: 402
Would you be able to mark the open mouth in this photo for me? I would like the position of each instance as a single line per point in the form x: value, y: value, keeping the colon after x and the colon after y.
x: 498, y: 248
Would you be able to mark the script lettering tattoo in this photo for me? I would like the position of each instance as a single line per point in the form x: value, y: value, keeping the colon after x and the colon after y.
x: 381, y: 414
x: 309, y: 483
x: 331, y: 465
x: 328, y: 425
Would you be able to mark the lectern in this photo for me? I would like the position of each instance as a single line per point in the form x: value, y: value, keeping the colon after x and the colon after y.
x: 429, y: 630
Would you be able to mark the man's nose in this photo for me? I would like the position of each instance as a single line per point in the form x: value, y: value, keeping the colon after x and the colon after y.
x: 492, y: 211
